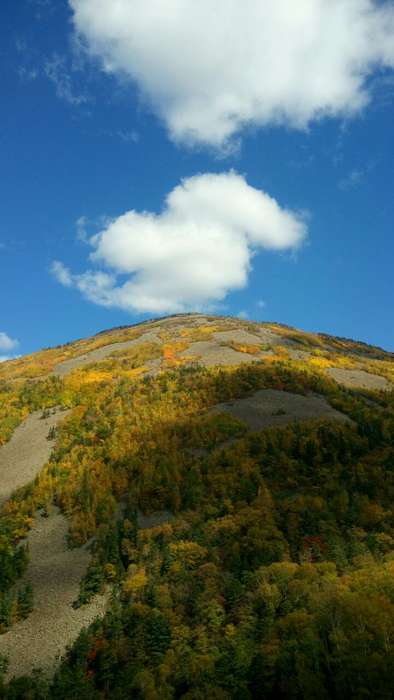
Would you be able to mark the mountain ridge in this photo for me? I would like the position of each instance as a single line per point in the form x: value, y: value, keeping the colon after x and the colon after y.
x: 349, y: 344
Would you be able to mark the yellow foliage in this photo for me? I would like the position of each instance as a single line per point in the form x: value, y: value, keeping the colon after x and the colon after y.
x: 170, y: 350
x: 135, y: 581
x: 244, y: 347
x: 42, y: 363
x: 198, y: 333
x: 320, y: 362
x: 170, y: 353
x: 188, y: 553
x: 94, y: 376
x: 280, y: 351
x: 134, y: 373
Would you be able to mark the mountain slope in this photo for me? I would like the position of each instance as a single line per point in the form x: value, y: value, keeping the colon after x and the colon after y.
x: 237, y: 480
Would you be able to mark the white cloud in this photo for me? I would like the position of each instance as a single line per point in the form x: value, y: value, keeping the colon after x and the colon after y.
x: 7, y: 343
x: 127, y: 136
x: 58, y: 73
x: 81, y: 225
x: 352, y: 180
x: 191, y: 254
x: 357, y: 176
x: 84, y: 227
x: 60, y: 272
x: 261, y: 304
x: 27, y: 74
x: 211, y: 68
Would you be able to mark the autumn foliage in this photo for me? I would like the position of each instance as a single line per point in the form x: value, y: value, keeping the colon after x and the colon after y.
x: 272, y: 573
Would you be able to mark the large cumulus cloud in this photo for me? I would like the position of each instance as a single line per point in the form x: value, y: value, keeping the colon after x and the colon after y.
x: 190, y: 255
x: 210, y: 68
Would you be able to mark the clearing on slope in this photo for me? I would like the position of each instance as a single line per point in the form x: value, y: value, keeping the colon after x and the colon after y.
x: 269, y: 407
x: 55, y: 573
x: 24, y: 455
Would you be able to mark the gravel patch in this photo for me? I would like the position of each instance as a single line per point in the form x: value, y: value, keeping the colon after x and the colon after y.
x: 269, y: 407
x: 238, y: 336
x: 54, y: 572
x: 27, y: 451
x: 67, y: 366
x: 268, y: 337
x: 360, y: 379
x: 211, y: 353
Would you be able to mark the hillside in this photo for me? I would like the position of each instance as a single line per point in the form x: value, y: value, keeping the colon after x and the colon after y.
x: 197, y: 507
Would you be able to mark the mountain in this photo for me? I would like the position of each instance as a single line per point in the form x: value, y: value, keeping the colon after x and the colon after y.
x: 197, y: 507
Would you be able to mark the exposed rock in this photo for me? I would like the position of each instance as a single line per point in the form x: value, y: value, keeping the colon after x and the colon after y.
x: 211, y: 353
x: 25, y: 454
x: 238, y: 336
x: 359, y: 378
x: 67, y: 366
x: 269, y: 407
x: 55, y: 573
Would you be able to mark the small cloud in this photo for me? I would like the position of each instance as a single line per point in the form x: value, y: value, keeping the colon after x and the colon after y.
x: 27, y: 75
x: 243, y: 314
x: 128, y: 136
x: 304, y: 161
x: 81, y: 226
x: 85, y: 227
x: 336, y: 153
x: 352, y: 180
x: 261, y: 304
x: 7, y: 343
x: 56, y: 70
x: 357, y: 176
x: 61, y: 274
x: 28, y: 68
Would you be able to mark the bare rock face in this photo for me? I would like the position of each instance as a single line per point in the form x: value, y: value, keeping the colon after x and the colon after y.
x: 358, y: 378
x: 210, y: 354
x: 25, y: 454
x: 238, y: 336
x: 67, y: 366
x: 55, y: 573
x: 269, y: 407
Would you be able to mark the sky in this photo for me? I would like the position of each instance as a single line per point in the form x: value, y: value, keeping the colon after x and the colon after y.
x: 167, y: 156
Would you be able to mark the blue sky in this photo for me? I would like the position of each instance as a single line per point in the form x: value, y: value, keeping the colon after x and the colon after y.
x: 286, y: 208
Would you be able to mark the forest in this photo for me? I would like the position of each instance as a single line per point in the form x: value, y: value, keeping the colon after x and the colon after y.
x: 272, y: 573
